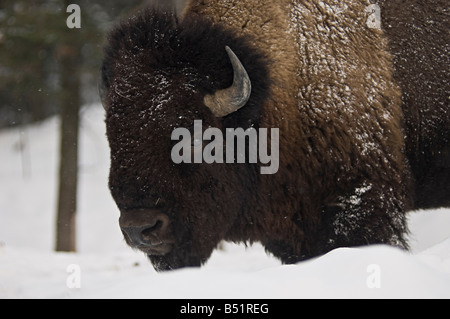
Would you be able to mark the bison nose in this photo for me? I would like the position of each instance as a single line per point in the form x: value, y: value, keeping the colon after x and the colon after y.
x: 147, y: 230
x: 143, y: 235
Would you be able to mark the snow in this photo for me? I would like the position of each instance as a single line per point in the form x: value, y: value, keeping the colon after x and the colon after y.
x: 104, y: 267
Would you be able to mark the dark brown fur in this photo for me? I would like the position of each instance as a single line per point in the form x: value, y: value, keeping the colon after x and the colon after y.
x: 319, y: 74
x: 418, y: 33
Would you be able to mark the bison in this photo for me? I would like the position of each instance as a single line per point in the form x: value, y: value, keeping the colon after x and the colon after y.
x: 362, y: 139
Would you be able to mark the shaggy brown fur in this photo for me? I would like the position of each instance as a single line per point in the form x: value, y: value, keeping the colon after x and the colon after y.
x: 318, y: 73
x: 418, y: 37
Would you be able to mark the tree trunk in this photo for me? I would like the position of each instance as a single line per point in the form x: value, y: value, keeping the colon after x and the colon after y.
x: 69, y: 59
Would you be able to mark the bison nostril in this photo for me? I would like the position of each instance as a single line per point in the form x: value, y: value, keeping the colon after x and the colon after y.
x: 147, y: 234
x: 150, y: 229
x: 150, y: 233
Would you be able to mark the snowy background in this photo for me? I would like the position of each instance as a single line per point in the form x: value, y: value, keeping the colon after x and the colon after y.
x: 106, y: 268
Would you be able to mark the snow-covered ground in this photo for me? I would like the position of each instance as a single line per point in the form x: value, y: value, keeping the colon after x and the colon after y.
x: 105, y: 267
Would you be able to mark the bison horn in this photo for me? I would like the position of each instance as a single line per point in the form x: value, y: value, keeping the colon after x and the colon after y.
x: 227, y: 101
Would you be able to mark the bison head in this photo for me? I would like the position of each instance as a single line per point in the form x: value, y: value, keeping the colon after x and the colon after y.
x: 160, y: 74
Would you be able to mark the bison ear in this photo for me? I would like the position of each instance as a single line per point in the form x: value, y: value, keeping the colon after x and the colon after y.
x: 102, y: 89
x: 227, y: 101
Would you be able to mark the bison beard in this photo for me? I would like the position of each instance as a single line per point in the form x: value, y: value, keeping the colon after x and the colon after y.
x: 343, y: 177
